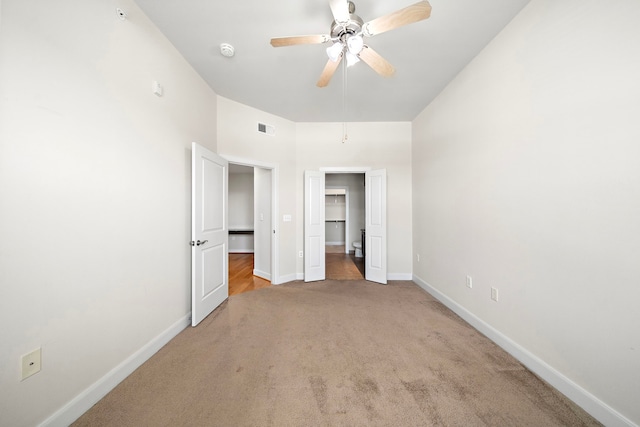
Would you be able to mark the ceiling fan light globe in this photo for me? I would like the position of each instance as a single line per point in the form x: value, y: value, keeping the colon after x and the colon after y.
x: 334, y: 51
x: 352, y: 59
x: 355, y: 44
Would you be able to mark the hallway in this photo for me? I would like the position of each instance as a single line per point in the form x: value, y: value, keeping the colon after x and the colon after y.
x: 339, y: 266
x: 342, y: 266
x: 241, y: 278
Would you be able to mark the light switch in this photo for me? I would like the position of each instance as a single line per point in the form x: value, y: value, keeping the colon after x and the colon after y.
x: 286, y: 218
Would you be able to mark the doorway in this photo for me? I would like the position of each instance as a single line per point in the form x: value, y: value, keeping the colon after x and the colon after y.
x: 251, y: 218
x: 375, y: 235
x: 344, y: 222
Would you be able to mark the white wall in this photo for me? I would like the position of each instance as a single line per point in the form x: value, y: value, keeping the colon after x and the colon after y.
x: 238, y: 137
x: 241, y: 200
x: 376, y: 145
x: 526, y: 177
x: 95, y: 194
x: 334, y: 232
x: 297, y: 147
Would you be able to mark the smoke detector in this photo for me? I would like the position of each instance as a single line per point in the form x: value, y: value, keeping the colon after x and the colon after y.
x: 227, y: 50
x: 122, y: 15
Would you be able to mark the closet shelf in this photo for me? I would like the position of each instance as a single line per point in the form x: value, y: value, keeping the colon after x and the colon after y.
x: 240, y: 231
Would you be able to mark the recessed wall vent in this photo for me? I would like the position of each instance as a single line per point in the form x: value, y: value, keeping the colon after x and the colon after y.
x: 266, y: 129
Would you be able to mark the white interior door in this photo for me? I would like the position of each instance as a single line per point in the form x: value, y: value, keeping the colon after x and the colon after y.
x: 376, y: 226
x: 262, y: 227
x: 209, y: 232
x: 314, y: 263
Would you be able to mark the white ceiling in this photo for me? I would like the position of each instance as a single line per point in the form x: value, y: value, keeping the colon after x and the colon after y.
x: 282, y: 81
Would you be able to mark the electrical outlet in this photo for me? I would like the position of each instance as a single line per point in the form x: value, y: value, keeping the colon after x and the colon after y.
x: 31, y: 363
x: 469, y: 282
x: 494, y: 294
x: 418, y: 255
x: 300, y: 254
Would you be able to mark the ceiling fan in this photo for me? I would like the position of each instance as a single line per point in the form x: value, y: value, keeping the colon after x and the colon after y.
x: 347, y: 35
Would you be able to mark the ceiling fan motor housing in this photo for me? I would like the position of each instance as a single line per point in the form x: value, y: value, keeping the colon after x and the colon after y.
x: 342, y: 30
x: 347, y: 35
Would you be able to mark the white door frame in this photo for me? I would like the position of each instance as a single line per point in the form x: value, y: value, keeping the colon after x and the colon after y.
x: 346, y: 170
x: 275, y: 244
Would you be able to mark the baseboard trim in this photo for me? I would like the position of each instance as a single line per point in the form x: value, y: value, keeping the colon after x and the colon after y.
x: 240, y: 251
x: 300, y: 276
x: 594, y: 406
x: 399, y: 276
x: 89, y: 397
x: 334, y: 243
x: 262, y: 274
x: 287, y: 278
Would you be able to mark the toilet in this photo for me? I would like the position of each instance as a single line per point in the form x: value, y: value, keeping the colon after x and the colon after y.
x: 358, y: 247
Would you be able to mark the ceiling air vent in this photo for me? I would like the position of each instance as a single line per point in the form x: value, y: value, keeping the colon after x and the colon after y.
x: 266, y: 129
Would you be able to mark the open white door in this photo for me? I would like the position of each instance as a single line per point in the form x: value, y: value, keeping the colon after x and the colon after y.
x: 314, y: 263
x: 209, y: 233
x: 262, y: 224
x: 376, y: 226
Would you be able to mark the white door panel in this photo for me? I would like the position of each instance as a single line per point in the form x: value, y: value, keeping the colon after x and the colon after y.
x: 209, y: 233
x: 314, y: 261
x: 376, y: 226
x: 213, y: 277
x: 263, y: 231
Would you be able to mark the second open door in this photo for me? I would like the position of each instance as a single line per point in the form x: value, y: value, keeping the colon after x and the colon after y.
x: 375, y: 261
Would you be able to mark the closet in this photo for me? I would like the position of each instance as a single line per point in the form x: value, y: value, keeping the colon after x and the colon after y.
x: 335, y: 216
x: 241, y: 209
x: 344, y: 209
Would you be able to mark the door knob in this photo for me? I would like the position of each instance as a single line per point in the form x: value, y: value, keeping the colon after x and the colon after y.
x: 198, y: 243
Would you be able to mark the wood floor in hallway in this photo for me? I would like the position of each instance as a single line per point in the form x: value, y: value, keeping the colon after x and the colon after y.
x: 339, y: 266
x: 342, y: 266
x: 241, y: 278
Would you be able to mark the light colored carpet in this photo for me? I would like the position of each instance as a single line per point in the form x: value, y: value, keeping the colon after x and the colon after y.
x: 333, y: 354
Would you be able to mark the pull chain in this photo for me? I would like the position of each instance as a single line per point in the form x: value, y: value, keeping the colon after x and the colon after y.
x: 344, y: 101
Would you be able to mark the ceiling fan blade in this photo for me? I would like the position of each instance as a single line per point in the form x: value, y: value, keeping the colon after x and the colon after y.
x: 340, y: 10
x: 290, y: 41
x: 328, y: 72
x: 377, y: 62
x: 408, y: 15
